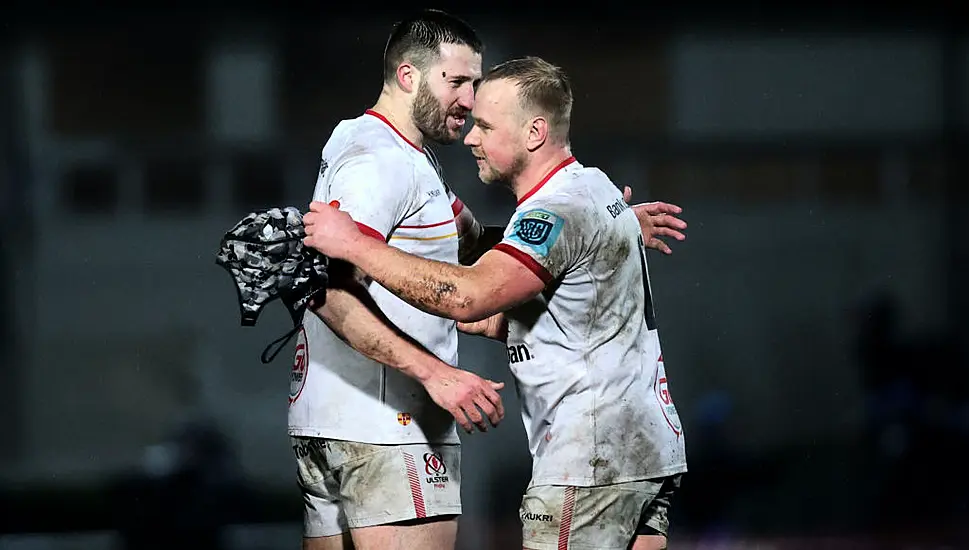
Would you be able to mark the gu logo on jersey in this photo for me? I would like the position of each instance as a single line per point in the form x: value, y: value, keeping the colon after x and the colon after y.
x: 537, y: 229
x: 323, y: 166
x: 435, y: 469
x: 297, y: 378
x: 666, y: 400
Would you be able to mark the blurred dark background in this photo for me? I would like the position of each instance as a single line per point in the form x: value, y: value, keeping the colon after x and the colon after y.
x: 814, y: 323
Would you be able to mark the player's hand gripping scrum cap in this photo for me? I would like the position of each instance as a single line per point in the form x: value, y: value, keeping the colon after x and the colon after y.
x: 265, y: 255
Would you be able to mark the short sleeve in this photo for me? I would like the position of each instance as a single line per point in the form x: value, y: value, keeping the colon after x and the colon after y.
x: 376, y: 189
x: 546, y: 236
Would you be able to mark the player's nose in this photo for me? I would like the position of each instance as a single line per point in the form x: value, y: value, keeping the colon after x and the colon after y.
x: 466, y: 98
x: 471, y: 140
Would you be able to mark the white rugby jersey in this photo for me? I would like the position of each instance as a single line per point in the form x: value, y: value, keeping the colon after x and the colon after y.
x: 393, y: 190
x: 585, y: 353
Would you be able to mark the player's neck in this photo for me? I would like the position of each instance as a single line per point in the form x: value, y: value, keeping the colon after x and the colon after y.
x: 538, y: 169
x: 398, y: 113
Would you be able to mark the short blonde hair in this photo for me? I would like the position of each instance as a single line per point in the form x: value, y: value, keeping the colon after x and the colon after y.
x: 543, y: 89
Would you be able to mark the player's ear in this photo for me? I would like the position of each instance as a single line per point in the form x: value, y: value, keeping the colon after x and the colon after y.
x: 537, y: 133
x: 408, y: 77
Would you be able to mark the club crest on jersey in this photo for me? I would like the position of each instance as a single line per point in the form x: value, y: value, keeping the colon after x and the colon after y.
x: 537, y: 229
x: 297, y: 377
x: 661, y: 387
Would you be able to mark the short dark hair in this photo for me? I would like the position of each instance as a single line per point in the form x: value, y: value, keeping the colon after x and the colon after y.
x: 418, y: 40
x: 543, y: 88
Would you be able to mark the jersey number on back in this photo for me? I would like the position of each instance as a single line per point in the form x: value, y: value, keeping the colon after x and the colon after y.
x: 648, y: 306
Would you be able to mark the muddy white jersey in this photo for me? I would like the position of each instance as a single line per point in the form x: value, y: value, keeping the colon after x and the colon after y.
x: 585, y: 353
x: 394, y: 192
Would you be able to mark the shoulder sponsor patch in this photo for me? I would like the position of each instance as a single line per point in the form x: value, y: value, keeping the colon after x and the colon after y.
x: 537, y: 229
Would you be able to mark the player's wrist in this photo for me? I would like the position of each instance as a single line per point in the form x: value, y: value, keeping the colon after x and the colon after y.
x: 428, y: 369
x: 358, y: 249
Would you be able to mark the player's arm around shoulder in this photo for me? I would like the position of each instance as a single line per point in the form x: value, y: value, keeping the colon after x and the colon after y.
x: 498, y: 283
x: 657, y: 219
x: 493, y: 284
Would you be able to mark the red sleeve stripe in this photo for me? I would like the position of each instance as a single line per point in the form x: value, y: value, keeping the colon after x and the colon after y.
x: 369, y: 231
x: 445, y: 222
x: 526, y: 260
x: 457, y: 206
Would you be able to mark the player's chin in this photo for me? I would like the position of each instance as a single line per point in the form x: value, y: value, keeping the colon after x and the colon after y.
x: 486, y: 174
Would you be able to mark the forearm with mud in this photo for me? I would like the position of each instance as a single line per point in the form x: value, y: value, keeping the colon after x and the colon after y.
x: 439, y: 288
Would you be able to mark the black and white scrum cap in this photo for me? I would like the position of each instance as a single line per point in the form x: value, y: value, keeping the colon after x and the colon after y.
x: 265, y: 255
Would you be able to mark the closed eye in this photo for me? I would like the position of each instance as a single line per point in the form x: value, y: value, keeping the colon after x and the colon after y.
x: 480, y: 123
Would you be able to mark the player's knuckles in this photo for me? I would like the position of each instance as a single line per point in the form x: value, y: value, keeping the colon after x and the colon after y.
x: 468, y: 391
x: 464, y: 399
x: 452, y: 404
x: 466, y: 402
